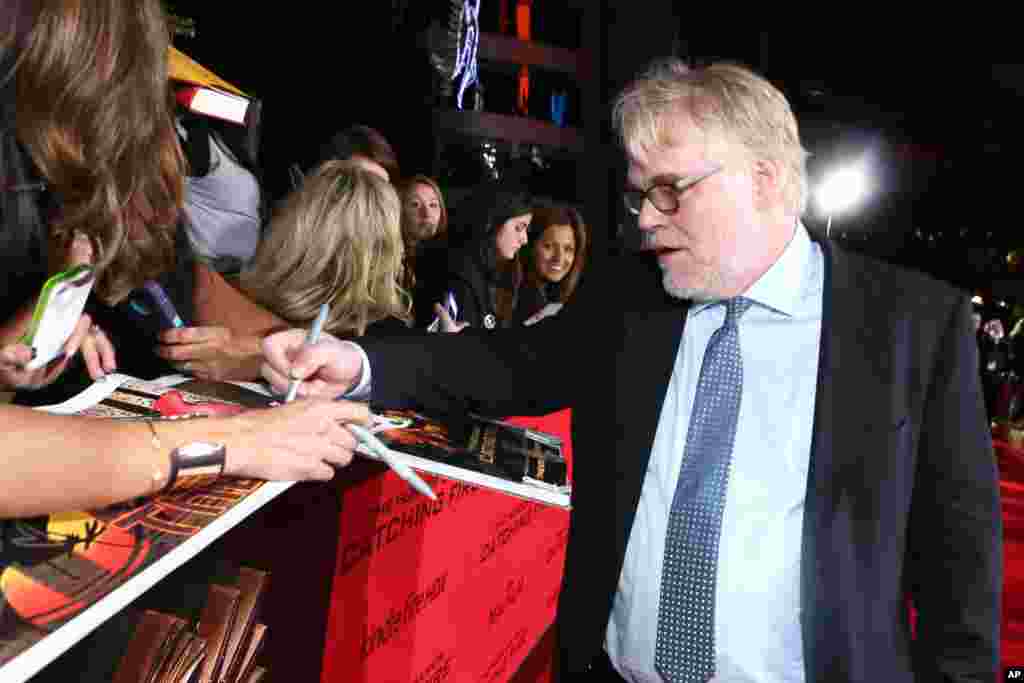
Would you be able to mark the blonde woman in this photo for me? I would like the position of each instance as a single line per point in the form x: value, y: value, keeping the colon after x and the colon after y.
x: 336, y: 239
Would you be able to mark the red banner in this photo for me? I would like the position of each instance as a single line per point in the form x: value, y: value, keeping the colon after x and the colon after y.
x: 458, y: 589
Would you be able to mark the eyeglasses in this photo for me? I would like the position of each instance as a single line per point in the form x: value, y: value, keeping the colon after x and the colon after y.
x: 663, y: 196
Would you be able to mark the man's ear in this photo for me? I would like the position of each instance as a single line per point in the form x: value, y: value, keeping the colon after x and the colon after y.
x: 768, y: 183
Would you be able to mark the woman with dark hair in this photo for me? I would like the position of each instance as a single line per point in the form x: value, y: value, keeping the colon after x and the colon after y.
x: 553, y: 261
x: 484, y: 278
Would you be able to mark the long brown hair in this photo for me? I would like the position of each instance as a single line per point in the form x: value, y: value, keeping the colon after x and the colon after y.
x: 405, y: 189
x: 337, y: 240
x: 93, y: 111
x: 543, y: 218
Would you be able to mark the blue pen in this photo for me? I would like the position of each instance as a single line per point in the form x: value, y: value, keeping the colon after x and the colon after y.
x: 312, y: 338
x: 163, y: 303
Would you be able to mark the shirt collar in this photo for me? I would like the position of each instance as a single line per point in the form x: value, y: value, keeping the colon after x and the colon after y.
x: 781, y: 286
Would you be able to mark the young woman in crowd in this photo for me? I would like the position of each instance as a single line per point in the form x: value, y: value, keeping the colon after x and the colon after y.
x: 553, y: 261
x: 425, y: 234
x: 484, y: 278
x: 337, y: 240
x: 424, y: 215
x: 95, y: 175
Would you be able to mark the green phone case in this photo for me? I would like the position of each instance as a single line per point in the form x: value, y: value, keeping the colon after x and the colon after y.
x: 81, y: 275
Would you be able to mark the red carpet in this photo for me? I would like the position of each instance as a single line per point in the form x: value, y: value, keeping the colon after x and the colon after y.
x: 1011, y: 491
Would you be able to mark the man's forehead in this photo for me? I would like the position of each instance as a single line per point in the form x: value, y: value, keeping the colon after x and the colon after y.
x: 678, y: 152
x: 670, y: 142
x: 659, y: 162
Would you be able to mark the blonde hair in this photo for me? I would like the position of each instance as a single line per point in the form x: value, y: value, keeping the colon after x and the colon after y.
x: 723, y: 98
x: 335, y: 239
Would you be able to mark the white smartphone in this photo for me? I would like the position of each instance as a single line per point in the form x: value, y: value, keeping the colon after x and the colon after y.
x: 57, y: 313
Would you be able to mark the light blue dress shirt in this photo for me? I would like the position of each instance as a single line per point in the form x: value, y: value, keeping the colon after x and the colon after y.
x: 757, y: 596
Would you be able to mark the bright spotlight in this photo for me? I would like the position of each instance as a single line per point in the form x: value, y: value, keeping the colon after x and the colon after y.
x: 842, y: 189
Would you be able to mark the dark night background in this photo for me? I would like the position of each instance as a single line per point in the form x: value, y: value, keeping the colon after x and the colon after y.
x: 937, y: 122
x: 936, y: 109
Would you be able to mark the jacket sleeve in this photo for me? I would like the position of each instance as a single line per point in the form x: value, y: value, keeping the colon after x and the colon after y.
x: 513, y: 371
x: 954, y: 555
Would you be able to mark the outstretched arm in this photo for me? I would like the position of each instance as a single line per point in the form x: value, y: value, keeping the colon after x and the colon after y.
x: 82, y: 463
x: 519, y: 371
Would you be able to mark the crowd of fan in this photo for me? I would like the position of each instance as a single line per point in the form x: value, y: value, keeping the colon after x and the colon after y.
x: 98, y: 168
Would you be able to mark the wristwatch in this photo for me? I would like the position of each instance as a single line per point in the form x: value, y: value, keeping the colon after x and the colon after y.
x: 195, y: 459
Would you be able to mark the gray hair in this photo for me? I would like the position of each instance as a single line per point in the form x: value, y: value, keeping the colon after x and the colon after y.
x: 727, y: 99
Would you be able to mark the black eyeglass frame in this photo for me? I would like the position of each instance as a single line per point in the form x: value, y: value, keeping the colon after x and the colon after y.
x: 664, y: 196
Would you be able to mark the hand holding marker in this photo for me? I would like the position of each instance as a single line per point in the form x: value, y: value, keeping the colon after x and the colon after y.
x: 375, y: 445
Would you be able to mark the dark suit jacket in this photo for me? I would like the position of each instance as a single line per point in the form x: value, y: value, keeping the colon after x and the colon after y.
x: 902, y: 491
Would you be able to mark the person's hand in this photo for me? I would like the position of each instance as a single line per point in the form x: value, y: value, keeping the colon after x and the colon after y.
x: 62, y: 254
x: 214, y: 353
x: 13, y: 357
x: 98, y: 353
x: 328, y: 368
x: 293, y: 442
x: 447, y: 324
x: 69, y: 251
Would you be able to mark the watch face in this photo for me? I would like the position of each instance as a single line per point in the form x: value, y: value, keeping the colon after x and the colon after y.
x: 199, y: 458
x: 199, y: 449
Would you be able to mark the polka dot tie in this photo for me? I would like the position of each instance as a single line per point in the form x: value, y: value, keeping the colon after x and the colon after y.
x: 685, y: 648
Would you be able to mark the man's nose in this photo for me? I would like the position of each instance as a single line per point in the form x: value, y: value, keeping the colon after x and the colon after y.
x: 649, y: 217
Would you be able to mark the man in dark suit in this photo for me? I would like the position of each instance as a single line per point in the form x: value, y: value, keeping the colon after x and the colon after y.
x: 780, y: 444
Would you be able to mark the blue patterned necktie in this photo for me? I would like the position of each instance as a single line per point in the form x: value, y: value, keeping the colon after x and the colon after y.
x: 685, y: 648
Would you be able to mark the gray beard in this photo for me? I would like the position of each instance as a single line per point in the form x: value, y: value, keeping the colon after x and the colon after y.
x: 698, y: 295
